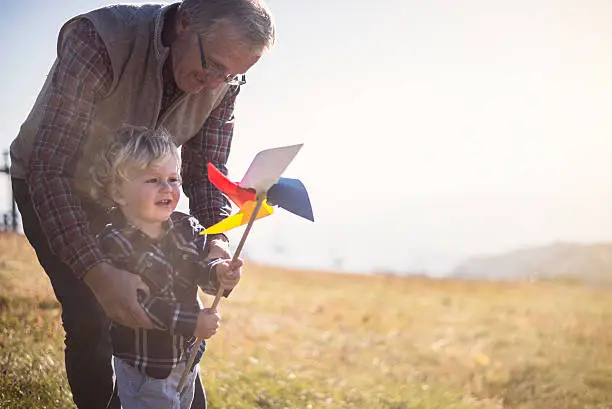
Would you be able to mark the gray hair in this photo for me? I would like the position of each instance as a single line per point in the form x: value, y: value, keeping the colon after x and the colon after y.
x: 133, y: 149
x: 251, y: 19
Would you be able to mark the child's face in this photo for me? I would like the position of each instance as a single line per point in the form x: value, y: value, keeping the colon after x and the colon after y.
x: 150, y: 196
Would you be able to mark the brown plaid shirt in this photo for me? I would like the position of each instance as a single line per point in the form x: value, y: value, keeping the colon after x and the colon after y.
x: 173, y: 266
x: 82, y: 77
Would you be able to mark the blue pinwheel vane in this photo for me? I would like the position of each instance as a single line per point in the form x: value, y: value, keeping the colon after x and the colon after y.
x: 261, y: 188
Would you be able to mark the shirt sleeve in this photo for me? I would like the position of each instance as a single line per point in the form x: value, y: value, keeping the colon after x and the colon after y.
x: 82, y: 76
x: 190, y: 229
x: 207, y: 279
x: 211, y: 144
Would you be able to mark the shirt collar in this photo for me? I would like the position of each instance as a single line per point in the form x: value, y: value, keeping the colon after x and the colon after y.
x: 161, y: 51
x: 119, y: 221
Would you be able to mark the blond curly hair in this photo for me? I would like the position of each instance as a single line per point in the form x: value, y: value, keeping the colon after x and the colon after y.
x: 132, y: 149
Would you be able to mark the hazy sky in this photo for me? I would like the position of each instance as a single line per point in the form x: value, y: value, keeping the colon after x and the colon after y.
x: 433, y: 129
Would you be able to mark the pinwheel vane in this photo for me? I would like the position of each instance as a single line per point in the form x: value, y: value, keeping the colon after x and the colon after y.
x: 261, y: 188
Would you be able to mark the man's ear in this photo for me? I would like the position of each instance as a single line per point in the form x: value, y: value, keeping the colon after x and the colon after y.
x: 182, y: 22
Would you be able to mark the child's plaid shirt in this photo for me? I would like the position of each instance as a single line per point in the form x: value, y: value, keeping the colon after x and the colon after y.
x: 173, y: 266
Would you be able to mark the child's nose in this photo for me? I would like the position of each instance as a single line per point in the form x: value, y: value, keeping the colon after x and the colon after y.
x: 165, y: 185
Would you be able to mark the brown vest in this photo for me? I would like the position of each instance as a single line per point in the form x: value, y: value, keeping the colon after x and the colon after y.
x: 132, y: 35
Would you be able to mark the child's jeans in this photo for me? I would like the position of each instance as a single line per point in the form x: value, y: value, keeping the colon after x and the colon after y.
x: 139, y: 391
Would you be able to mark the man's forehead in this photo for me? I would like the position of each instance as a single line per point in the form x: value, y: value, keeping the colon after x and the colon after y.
x: 225, y: 44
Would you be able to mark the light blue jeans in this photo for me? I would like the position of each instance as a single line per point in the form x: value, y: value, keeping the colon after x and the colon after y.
x: 139, y: 391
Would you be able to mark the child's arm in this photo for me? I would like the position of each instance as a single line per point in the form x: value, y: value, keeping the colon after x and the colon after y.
x: 215, y: 271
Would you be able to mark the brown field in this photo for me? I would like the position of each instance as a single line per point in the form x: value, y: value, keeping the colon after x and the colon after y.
x: 302, y: 339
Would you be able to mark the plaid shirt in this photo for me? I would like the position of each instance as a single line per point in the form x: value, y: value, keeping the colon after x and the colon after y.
x: 172, y: 266
x: 82, y: 76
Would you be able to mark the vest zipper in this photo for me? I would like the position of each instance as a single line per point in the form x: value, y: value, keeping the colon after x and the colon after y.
x: 171, y: 108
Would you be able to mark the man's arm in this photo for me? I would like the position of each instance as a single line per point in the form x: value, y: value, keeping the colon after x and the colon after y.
x: 211, y: 144
x: 83, y: 75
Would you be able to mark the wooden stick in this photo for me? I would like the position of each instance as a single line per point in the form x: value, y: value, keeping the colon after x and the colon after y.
x: 194, y: 351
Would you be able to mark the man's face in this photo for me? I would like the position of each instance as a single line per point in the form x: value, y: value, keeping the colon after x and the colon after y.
x: 224, y: 53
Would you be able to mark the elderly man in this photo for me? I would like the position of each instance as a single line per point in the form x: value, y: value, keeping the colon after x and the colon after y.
x: 177, y: 66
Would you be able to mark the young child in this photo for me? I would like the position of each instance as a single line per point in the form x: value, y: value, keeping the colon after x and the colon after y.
x: 139, y: 175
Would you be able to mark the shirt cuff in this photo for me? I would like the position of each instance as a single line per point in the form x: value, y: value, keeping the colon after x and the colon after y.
x: 185, y: 323
x: 86, y: 258
x: 222, y: 236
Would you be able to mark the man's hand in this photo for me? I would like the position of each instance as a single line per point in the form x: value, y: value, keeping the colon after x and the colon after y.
x: 116, y: 291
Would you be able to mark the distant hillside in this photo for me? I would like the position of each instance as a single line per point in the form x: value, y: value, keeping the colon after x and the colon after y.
x: 592, y: 263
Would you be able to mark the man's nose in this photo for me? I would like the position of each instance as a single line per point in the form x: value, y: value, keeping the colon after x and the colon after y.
x: 213, y: 82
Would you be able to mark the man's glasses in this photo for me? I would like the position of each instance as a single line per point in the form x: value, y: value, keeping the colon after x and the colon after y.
x: 239, y: 79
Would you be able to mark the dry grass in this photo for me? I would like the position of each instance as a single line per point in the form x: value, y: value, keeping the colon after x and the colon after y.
x: 299, y: 339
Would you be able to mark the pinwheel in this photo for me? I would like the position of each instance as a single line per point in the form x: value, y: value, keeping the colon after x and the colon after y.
x: 261, y: 188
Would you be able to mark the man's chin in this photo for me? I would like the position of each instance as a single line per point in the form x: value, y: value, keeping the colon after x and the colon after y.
x: 196, y: 88
x: 191, y: 90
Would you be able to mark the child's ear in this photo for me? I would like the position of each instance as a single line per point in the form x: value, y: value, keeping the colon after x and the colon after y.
x: 115, y: 194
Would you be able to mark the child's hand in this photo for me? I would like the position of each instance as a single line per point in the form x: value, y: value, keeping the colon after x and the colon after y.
x: 208, y: 323
x: 228, y: 273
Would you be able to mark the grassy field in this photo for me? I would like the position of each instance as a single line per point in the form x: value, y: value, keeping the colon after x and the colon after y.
x: 300, y: 339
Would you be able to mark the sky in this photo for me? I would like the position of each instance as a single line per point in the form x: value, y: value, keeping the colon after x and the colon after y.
x: 433, y: 130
